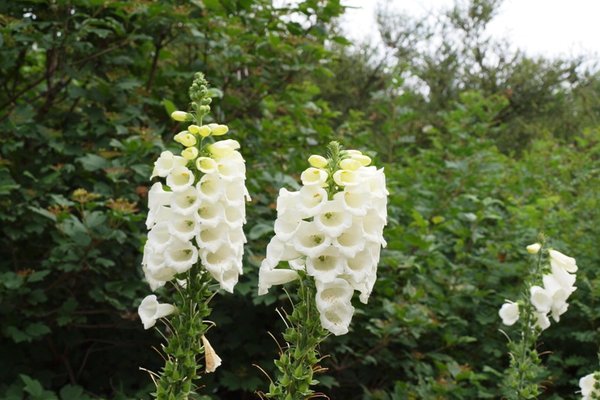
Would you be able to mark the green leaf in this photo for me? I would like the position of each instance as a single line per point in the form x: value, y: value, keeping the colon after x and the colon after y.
x: 32, y: 386
x: 169, y: 106
x: 93, y: 162
x: 37, y: 329
x: 259, y: 230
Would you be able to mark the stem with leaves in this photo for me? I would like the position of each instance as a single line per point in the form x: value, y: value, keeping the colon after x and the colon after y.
x: 299, y: 361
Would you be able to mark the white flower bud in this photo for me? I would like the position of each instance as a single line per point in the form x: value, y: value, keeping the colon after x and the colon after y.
x: 558, y: 259
x: 206, y: 165
x: 185, y: 138
x: 218, y: 130
x: 313, y: 176
x: 190, y: 153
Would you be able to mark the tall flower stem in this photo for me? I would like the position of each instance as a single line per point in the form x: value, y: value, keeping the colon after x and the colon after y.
x: 521, y: 381
x: 298, y: 362
x: 185, y: 346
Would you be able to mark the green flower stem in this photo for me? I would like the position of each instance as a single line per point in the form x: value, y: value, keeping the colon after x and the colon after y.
x: 298, y: 362
x: 522, y: 378
x: 184, y: 346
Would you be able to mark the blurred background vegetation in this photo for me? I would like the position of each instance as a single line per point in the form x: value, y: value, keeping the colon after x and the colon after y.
x: 483, y: 148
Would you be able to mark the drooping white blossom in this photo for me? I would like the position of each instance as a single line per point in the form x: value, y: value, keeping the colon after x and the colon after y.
x: 331, y: 230
x: 509, y: 312
x: 150, y: 310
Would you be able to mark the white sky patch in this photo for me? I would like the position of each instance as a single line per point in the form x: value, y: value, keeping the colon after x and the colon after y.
x: 539, y: 27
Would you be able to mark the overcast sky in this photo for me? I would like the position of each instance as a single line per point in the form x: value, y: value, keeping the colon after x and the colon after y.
x: 540, y: 27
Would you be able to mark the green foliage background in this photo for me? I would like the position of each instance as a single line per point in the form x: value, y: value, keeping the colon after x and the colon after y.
x: 483, y: 148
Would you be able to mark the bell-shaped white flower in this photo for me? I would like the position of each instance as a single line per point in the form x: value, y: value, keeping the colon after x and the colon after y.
x: 151, y: 310
x: 180, y: 178
x: 350, y: 242
x: 181, y: 255
x: 346, y: 178
x: 210, y: 187
x: 206, y: 165
x: 165, y: 164
x: 287, y: 224
x: 356, y: 203
x: 159, y: 236
x: 309, y: 240
x: 564, y: 278
x: 234, y: 217
x: 184, y: 227
x: 186, y: 202
x: 211, y: 238
x: 372, y: 227
x: 155, y: 264
x: 333, y: 302
x: 509, y: 312
x: 234, y: 194
x: 223, y: 264
x: 157, y: 196
x: 587, y: 385
x: 159, y: 214
x: 541, y: 299
x: 542, y: 321
x: 333, y: 219
x: 559, y: 260
x: 287, y: 201
x: 211, y: 215
x: 326, y: 266
x: 558, y: 309
x: 223, y: 148
x: 278, y: 250
x: 312, y: 198
x: 359, y: 266
x: 313, y: 177
x: 268, y: 277
x: 231, y: 169
x: 335, y: 291
x: 152, y: 282
x: 558, y: 292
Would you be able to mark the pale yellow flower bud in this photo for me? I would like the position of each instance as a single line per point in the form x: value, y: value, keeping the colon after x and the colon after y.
x: 350, y: 164
x: 204, y: 131
x: 534, y: 248
x: 317, y: 161
x: 206, y: 165
x: 181, y: 116
x: 185, y: 138
x: 362, y: 159
x: 190, y: 153
x: 195, y: 129
x: 218, y: 130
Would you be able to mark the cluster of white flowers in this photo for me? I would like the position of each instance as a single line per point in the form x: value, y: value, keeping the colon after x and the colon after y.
x: 590, y: 386
x: 550, y: 299
x: 333, y: 236
x: 198, y: 212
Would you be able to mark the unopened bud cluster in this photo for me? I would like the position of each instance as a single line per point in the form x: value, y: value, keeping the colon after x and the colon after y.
x: 551, y: 297
x: 332, y: 229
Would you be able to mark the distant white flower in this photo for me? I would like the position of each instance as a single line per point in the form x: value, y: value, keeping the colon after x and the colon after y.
x: 509, y: 312
x: 558, y: 259
x: 151, y: 310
